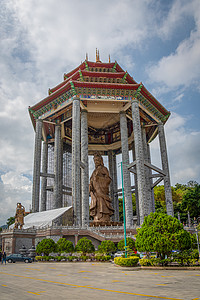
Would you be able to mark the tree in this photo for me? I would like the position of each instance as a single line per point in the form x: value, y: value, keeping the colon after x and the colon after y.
x: 107, y: 247
x: 194, y: 241
x: 46, y: 246
x: 191, y: 202
x: 10, y: 221
x: 129, y: 242
x: 161, y: 233
x: 85, y: 246
x: 64, y: 245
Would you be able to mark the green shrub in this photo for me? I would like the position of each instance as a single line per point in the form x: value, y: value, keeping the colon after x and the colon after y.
x: 85, y: 245
x: 46, y: 246
x: 64, y: 245
x: 186, y: 257
x: 162, y: 233
x: 84, y: 257
x: 38, y: 258
x: 129, y: 242
x: 145, y: 262
x: 195, y: 254
x: 59, y: 258
x: 107, y: 257
x: 71, y: 258
x: 154, y: 262
x: 107, y: 246
x: 131, y: 261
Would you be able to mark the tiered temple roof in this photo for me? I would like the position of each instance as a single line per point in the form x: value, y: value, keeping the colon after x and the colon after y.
x: 101, y: 83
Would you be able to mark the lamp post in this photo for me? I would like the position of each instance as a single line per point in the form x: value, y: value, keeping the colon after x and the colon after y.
x: 124, y: 214
x: 196, y: 231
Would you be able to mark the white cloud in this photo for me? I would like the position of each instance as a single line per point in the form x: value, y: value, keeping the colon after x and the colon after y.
x: 13, y: 188
x: 13, y: 180
x: 183, y: 150
x: 42, y: 40
x: 59, y: 32
x: 180, y: 68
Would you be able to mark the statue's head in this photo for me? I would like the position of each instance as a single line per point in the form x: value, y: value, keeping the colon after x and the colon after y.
x: 19, y: 204
x: 98, y: 160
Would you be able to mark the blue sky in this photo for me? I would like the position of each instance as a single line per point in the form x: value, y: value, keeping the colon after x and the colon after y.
x: 157, y: 42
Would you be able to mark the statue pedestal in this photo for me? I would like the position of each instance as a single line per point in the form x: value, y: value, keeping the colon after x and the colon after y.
x: 101, y: 223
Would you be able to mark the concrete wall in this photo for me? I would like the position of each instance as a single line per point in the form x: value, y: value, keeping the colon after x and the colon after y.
x: 19, y: 242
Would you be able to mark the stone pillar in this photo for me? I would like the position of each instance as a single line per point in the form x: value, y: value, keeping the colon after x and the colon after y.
x: 165, y: 167
x: 76, y: 199
x: 36, y: 166
x: 57, y: 201
x: 147, y: 171
x: 110, y: 163
x: 136, y: 189
x: 126, y: 173
x: 115, y: 188
x: 151, y: 180
x: 44, y: 179
x: 84, y: 171
x: 143, y: 204
x: 76, y: 239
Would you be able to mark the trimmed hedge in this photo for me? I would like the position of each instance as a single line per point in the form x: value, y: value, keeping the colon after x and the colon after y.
x: 97, y: 257
x: 168, y: 261
x: 100, y: 257
x: 130, y: 261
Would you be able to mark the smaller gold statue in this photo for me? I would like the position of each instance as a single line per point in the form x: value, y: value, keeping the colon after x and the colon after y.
x: 19, y: 216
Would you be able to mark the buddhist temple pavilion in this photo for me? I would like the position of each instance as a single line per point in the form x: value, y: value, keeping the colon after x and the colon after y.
x: 98, y: 107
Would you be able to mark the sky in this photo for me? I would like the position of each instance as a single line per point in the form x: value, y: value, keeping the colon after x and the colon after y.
x: 157, y: 42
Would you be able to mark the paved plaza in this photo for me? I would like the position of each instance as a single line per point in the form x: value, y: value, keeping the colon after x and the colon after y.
x: 95, y: 281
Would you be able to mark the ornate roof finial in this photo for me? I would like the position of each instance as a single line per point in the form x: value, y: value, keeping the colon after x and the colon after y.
x: 109, y: 58
x: 86, y: 56
x: 96, y: 55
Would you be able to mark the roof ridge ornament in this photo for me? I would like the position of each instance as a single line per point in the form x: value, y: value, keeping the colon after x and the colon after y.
x: 97, y: 56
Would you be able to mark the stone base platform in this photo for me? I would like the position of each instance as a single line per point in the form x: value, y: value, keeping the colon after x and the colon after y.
x: 97, y: 224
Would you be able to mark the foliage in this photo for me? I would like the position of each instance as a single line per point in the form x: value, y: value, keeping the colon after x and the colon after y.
x: 72, y: 258
x: 186, y: 197
x: 38, y: 258
x: 46, y: 246
x: 191, y: 202
x: 10, y: 221
x: 43, y: 258
x: 101, y: 257
x: 194, y: 241
x: 85, y: 245
x: 64, y: 245
x: 184, y: 239
x: 161, y: 233
x: 59, y: 258
x: 186, y: 257
x: 154, y: 262
x: 121, y: 207
x: 129, y: 242
x: 107, y: 246
x: 131, y: 261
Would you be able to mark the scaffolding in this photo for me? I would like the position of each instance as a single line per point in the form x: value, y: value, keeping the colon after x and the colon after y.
x: 67, y: 178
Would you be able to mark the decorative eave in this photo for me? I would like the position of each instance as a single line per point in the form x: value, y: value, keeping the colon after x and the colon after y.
x: 153, y: 100
x: 75, y: 84
x: 81, y: 67
x: 105, y: 85
x: 84, y: 72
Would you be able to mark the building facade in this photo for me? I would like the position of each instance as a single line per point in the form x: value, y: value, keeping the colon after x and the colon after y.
x: 98, y: 107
